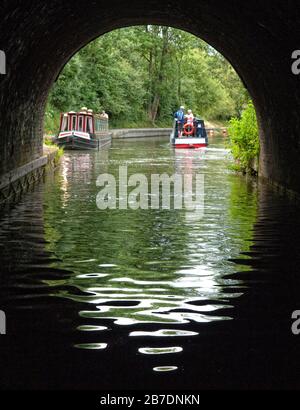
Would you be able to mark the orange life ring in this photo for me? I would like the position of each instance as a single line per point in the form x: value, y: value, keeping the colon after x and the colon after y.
x: 185, y: 129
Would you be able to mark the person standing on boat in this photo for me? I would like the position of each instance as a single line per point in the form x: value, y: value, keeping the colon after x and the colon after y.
x: 179, y: 116
x: 104, y: 115
x: 190, y: 117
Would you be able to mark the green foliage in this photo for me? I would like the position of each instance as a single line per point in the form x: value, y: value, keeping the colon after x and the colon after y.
x: 244, y: 141
x: 52, y: 119
x: 140, y: 75
x: 48, y: 142
x: 59, y: 154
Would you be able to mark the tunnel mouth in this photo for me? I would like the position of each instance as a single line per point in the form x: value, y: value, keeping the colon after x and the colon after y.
x: 249, y: 38
x: 123, y: 33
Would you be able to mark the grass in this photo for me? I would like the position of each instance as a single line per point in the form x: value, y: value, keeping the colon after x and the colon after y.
x: 49, y: 147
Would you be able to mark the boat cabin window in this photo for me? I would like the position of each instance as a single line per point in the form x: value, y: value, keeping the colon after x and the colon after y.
x: 64, y: 123
x: 89, y: 125
x: 99, y: 125
x: 80, y: 123
x: 74, y: 120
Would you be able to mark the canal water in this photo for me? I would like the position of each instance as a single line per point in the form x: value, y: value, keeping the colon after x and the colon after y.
x: 141, y: 299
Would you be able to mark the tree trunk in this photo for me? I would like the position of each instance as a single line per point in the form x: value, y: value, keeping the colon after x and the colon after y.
x: 160, y: 76
x: 154, y: 108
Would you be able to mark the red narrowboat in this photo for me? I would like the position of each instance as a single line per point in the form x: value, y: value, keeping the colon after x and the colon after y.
x: 83, y: 130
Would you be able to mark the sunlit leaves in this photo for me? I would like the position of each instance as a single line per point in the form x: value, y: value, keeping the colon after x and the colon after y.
x: 244, y: 137
x: 129, y: 71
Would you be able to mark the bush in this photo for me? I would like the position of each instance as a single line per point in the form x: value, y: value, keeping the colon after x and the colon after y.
x: 244, y: 141
x: 51, y: 121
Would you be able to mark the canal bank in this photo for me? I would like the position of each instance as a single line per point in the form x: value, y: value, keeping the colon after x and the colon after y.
x: 14, y: 183
x: 140, y: 132
x: 121, y: 133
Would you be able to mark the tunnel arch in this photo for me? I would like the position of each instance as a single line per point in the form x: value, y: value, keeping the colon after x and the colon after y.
x: 39, y: 39
x: 120, y: 29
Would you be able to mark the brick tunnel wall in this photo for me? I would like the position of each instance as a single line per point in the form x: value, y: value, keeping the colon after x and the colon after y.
x: 257, y: 37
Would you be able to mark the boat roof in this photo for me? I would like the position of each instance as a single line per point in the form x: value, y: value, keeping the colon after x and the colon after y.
x: 78, y: 113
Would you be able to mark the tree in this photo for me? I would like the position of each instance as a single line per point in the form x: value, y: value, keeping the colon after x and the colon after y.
x: 140, y: 75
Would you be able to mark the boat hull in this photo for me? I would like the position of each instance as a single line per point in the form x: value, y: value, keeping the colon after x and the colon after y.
x: 76, y: 142
x: 185, y: 143
x: 185, y: 146
x: 180, y: 139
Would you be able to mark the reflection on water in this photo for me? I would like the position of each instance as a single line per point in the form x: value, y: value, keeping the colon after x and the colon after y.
x: 92, y: 346
x: 162, y: 350
x: 147, y: 267
x: 114, y: 298
x: 139, y: 267
x: 165, y: 368
x: 165, y: 333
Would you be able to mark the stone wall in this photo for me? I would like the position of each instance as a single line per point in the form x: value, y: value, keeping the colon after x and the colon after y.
x: 141, y: 133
